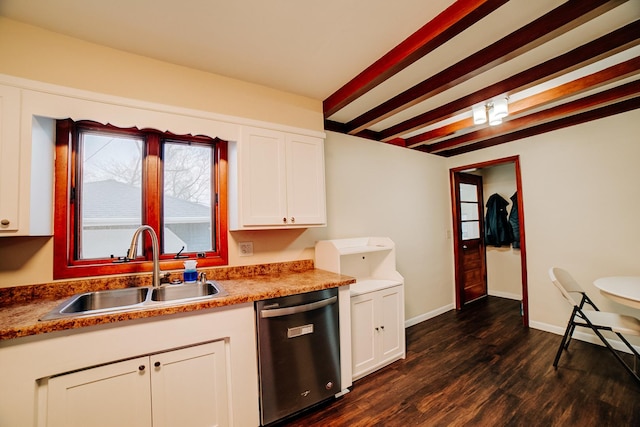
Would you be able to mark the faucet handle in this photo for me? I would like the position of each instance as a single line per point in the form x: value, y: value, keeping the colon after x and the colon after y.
x: 202, y: 278
x: 120, y: 259
x: 165, y: 277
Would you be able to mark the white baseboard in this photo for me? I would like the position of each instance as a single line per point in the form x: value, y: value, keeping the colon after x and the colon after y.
x: 581, y: 334
x: 427, y: 316
x: 507, y: 295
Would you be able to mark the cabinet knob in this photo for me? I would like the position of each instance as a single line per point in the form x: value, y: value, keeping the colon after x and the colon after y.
x: 284, y: 220
x: 382, y: 327
x: 157, y: 364
x: 377, y: 329
x: 141, y: 368
x: 293, y: 220
x: 5, y: 221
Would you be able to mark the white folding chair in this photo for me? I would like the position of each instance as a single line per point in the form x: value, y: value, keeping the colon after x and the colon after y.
x: 595, y: 320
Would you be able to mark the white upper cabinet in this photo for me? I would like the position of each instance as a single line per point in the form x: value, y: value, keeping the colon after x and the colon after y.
x: 9, y: 158
x: 276, y: 180
x: 26, y: 167
x: 305, y: 180
x: 260, y: 160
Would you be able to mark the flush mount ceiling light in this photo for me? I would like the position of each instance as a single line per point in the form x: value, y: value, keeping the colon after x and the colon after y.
x: 496, y: 110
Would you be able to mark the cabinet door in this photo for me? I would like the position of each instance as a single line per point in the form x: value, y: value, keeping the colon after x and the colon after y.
x: 363, y: 333
x: 391, y: 323
x: 190, y: 388
x: 9, y: 158
x: 117, y: 394
x: 305, y: 181
x: 263, y: 177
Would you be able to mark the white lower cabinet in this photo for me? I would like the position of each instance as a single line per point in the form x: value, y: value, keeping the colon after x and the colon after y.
x: 185, y: 387
x: 377, y: 329
x: 109, y: 395
x: 189, y: 387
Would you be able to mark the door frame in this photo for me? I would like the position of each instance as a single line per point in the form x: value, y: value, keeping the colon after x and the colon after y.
x: 515, y: 160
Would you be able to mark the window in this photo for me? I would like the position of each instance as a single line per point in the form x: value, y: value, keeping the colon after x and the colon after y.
x: 110, y: 181
x: 469, y: 212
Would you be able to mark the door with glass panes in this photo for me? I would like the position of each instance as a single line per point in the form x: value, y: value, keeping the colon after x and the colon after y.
x: 471, y: 272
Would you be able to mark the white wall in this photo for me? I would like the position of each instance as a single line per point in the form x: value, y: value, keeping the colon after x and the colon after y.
x: 376, y: 189
x: 37, y: 54
x: 580, y: 195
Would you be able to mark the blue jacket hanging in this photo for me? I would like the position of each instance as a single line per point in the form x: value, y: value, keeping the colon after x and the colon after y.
x: 497, y: 229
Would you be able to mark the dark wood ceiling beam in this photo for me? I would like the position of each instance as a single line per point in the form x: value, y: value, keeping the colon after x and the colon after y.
x: 550, y: 25
x: 440, y: 132
x: 605, y: 46
x: 451, y: 22
x: 599, y: 113
x: 592, y: 81
x: 333, y: 126
x: 514, y: 126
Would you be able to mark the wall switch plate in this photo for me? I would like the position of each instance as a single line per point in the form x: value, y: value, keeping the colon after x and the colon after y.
x: 245, y: 248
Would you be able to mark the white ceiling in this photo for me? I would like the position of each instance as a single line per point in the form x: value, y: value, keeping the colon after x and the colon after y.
x: 314, y: 48
x: 307, y: 47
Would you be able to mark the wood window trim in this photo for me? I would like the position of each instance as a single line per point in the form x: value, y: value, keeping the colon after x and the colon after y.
x: 64, y: 264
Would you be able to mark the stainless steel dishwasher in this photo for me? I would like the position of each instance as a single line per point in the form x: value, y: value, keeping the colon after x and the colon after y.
x: 298, y: 352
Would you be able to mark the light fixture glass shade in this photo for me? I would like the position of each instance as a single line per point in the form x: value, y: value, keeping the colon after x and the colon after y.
x: 479, y: 114
x: 493, y: 118
x: 500, y: 108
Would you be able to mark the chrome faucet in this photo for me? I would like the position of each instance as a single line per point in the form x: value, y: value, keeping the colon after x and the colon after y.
x: 131, y: 254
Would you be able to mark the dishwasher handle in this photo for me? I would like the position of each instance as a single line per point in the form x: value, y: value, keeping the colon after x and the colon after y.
x: 285, y: 311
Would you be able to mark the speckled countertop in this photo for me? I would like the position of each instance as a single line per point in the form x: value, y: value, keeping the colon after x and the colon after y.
x: 22, y: 306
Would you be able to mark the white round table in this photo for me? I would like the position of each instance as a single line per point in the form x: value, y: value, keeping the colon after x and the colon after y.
x: 622, y: 289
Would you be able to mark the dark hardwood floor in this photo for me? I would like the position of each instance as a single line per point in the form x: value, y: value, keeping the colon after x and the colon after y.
x: 480, y: 367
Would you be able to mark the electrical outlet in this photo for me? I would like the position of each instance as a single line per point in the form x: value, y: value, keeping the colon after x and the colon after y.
x: 245, y: 248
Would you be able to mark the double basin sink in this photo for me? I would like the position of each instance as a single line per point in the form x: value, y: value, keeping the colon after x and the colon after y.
x: 128, y: 299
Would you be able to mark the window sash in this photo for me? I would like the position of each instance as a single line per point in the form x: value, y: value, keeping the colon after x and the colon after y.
x: 68, y: 263
x: 192, y: 228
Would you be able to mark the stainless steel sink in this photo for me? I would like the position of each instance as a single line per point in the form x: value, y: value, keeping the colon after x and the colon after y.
x: 185, y: 292
x: 119, y: 300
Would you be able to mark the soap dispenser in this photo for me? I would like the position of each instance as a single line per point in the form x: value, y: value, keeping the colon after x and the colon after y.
x: 190, y: 273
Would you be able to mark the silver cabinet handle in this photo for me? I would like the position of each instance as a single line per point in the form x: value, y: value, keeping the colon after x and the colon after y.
x: 277, y: 312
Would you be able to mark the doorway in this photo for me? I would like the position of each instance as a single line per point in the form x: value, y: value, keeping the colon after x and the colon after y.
x: 470, y: 253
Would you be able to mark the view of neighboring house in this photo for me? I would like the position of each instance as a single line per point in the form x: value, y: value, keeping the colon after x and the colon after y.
x: 112, y: 211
